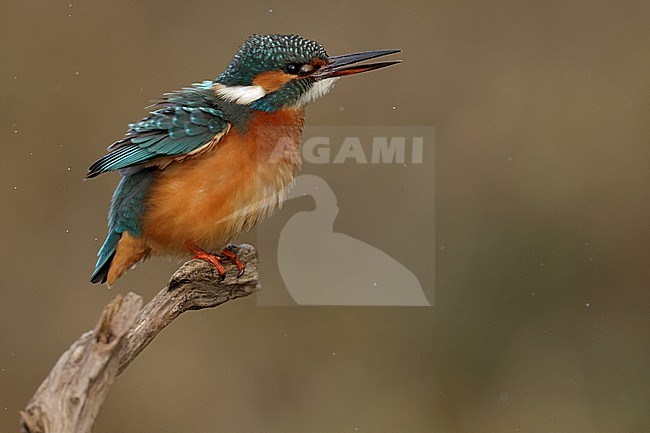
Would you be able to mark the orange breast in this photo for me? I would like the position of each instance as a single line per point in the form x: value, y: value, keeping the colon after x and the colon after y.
x: 211, y: 198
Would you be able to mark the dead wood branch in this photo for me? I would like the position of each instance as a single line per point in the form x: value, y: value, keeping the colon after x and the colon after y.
x: 70, y: 397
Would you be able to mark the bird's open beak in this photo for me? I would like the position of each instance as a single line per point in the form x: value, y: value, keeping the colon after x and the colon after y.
x: 338, y: 66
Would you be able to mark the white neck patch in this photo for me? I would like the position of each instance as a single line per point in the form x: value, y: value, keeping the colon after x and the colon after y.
x: 318, y: 90
x: 242, y: 95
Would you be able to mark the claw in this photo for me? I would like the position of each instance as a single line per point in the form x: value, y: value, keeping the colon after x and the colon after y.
x: 230, y: 254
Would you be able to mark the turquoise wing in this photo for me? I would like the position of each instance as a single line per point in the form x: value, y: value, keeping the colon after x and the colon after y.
x: 184, y: 122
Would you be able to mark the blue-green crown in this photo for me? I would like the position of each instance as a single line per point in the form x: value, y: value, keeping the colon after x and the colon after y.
x: 266, y: 53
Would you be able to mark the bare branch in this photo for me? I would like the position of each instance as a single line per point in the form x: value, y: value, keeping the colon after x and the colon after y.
x: 70, y: 397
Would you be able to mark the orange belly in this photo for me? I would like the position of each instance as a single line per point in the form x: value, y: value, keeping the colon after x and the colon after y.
x: 210, y: 199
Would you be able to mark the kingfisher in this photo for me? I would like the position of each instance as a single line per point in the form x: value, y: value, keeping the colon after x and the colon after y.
x: 211, y: 160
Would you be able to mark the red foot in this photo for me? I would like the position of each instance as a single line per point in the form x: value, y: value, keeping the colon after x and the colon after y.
x: 232, y: 256
x: 213, y: 259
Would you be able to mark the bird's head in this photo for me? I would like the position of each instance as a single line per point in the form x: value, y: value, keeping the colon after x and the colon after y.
x: 272, y: 72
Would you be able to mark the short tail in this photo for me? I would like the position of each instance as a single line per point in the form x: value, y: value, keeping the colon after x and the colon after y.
x: 127, y: 206
x: 106, y: 255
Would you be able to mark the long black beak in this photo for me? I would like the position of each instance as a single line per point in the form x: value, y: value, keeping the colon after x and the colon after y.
x: 337, y: 66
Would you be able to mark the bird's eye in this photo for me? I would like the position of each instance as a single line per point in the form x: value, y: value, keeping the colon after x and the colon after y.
x: 293, y: 68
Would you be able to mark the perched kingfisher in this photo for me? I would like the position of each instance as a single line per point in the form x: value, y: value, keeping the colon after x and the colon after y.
x: 213, y: 159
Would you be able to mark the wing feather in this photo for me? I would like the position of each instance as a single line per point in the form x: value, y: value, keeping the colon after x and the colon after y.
x: 185, y: 123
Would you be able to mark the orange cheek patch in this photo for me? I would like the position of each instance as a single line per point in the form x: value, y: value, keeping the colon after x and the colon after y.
x: 272, y: 80
x: 317, y: 63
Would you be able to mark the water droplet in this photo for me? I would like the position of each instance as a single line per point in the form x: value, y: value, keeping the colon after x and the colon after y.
x: 69, y: 168
x: 586, y: 243
x: 375, y: 284
x: 77, y: 73
x: 15, y: 187
x: 67, y: 230
x: 333, y: 353
x: 15, y: 77
x: 31, y: 153
x: 394, y: 107
x: 588, y: 304
x: 442, y: 248
x: 95, y: 239
x: 316, y: 188
x: 69, y: 5
x: 341, y: 108
x: 270, y: 11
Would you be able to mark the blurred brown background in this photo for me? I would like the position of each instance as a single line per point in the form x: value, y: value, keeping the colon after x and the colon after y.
x: 540, y: 321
